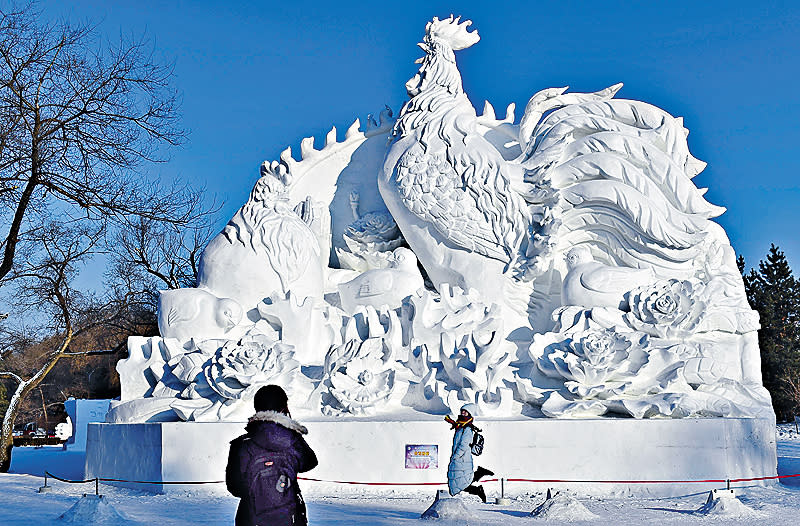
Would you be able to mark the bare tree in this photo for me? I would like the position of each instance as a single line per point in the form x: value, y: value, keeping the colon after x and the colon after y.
x: 148, y: 255
x: 792, y: 390
x: 44, y: 289
x: 80, y: 119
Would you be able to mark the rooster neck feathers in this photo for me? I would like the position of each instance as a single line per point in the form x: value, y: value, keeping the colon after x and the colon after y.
x: 436, y: 89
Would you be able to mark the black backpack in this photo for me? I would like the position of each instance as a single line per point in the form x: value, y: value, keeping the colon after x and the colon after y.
x: 272, y: 481
x: 477, y: 442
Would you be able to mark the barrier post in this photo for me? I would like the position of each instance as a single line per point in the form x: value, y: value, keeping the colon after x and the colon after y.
x: 502, y: 500
x: 97, y: 486
x: 45, y: 488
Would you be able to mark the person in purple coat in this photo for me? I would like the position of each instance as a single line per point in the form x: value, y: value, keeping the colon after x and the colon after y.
x: 263, y: 464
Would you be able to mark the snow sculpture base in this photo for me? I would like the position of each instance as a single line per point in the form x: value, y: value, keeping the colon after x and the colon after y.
x: 372, y: 451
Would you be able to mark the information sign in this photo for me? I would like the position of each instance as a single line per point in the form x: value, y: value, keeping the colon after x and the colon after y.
x: 422, y: 456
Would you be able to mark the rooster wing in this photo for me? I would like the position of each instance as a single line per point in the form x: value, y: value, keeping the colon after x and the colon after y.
x: 465, y: 197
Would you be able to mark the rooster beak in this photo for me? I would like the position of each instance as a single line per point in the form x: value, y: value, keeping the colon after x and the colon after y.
x: 424, y: 47
x: 420, y: 60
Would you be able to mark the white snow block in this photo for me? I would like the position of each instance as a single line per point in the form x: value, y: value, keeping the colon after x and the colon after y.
x: 371, y: 451
x: 447, y: 507
x: 92, y: 509
x: 716, y: 494
x: 171, y: 452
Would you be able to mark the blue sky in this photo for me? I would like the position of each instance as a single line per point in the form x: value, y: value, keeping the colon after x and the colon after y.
x: 259, y: 76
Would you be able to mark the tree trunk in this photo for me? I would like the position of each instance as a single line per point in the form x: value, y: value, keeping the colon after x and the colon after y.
x: 7, y: 436
x: 44, y: 410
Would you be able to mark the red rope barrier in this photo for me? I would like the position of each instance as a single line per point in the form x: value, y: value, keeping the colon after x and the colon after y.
x: 376, y: 483
x: 766, y: 478
x: 566, y: 481
x: 617, y: 481
x: 163, y: 481
x: 358, y: 483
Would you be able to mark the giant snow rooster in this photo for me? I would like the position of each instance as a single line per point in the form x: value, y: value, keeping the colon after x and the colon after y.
x: 446, y: 186
x: 611, y: 175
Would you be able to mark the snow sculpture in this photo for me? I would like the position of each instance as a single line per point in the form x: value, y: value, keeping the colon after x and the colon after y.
x: 591, y: 283
x: 308, y: 327
x: 561, y: 266
x: 447, y: 187
x: 196, y: 313
x: 383, y: 286
x: 239, y: 366
x: 364, y: 374
x: 370, y: 239
x: 461, y: 353
x: 360, y: 376
x: 266, y: 247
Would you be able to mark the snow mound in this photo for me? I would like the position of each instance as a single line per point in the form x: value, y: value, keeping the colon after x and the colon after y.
x: 93, y: 509
x: 728, y: 507
x: 561, y: 507
x: 448, y: 508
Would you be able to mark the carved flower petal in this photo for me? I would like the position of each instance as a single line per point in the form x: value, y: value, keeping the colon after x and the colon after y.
x: 343, y: 381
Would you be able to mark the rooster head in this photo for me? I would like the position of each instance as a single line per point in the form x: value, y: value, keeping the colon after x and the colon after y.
x: 452, y: 32
x: 442, y: 37
x: 271, y: 189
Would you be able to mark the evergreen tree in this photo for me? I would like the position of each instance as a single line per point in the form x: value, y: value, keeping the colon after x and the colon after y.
x: 775, y: 293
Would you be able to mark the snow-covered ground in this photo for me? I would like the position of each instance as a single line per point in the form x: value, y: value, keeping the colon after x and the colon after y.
x: 21, y: 504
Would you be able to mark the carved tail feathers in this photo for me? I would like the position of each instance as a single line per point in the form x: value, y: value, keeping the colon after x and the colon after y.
x: 612, y: 173
x: 551, y: 99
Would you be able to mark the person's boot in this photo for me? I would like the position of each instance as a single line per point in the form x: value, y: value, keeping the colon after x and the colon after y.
x: 477, y: 491
x: 482, y: 494
x: 481, y: 472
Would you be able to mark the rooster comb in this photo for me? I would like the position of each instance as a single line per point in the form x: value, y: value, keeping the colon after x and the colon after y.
x: 452, y: 31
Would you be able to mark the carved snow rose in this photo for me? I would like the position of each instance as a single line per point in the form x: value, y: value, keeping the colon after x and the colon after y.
x: 363, y: 382
x: 375, y: 231
x: 595, y: 362
x: 599, y: 347
x: 242, y: 366
x: 370, y: 241
x: 361, y: 375
x: 662, y: 303
x: 666, y: 308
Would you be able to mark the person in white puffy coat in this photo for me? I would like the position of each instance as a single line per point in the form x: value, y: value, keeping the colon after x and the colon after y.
x: 460, y: 476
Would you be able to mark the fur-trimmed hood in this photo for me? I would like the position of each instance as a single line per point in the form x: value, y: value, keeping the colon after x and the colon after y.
x: 278, y: 418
